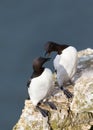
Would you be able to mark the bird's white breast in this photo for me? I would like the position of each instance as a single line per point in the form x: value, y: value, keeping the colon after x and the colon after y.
x: 40, y: 86
x: 66, y: 64
x: 56, y: 62
x: 68, y: 60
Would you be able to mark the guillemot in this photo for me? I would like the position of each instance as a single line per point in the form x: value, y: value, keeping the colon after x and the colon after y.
x: 65, y: 63
x: 40, y: 84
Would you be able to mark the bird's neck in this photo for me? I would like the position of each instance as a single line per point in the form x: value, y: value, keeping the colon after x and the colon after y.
x: 37, y: 72
x: 58, y: 49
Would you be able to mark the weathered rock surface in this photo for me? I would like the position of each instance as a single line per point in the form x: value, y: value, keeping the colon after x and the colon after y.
x: 80, y: 114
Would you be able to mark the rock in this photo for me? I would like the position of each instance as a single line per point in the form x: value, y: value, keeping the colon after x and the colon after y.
x: 83, y: 93
x: 72, y: 114
x: 83, y: 89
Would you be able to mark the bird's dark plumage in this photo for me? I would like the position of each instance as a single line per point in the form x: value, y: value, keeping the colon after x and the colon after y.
x: 37, y: 68
x: 53, y: 46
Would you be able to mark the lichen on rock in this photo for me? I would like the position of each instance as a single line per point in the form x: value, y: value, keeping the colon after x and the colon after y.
x: 80, y: 114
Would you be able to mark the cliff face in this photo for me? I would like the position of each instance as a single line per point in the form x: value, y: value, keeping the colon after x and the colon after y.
x: 80, y: 114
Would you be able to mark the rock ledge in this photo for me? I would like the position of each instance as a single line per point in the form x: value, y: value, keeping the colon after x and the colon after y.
x: 80, y: 115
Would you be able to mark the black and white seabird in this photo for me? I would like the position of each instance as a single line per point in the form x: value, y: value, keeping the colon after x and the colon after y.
x: 65, y: 63
x: 40, y: 84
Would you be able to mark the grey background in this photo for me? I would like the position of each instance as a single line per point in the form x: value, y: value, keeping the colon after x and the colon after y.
x: 25, y: 26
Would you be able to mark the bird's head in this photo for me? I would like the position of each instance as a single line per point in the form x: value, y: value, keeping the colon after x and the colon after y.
x: 38, y: 62
x: 52, y: 46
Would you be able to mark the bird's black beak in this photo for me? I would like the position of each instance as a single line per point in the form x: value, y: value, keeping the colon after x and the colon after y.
x: 47, y: 59
x: 47, y: 54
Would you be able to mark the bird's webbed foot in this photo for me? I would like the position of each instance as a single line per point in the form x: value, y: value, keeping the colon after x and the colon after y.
x: 42, y: 111
x: 67, y: 92
x: 52, y: 105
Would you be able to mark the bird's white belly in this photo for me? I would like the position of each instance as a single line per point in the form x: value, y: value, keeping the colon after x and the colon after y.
x: 37, y: 93
x: 56, y: 62
x: 66, y: 65
x: 62, y: 76
x: 40, y: 87
x: 68, y: 60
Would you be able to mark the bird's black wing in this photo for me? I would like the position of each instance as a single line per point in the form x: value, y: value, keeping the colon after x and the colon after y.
x: 28, y: 82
